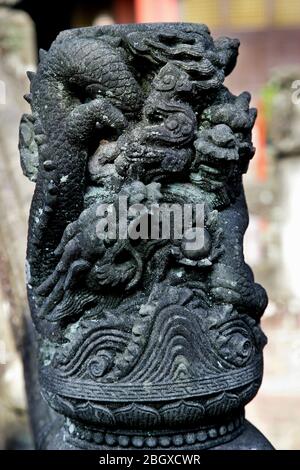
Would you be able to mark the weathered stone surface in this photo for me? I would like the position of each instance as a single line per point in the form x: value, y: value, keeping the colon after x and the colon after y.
x: 142, y: 343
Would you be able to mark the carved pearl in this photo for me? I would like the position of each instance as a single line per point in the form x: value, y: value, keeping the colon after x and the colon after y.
x: 151, y: 441
x: 137, y: 441
x: 190, y: 438
x: 201, y: 436
x: 164, y: 441
x: 124, y: 441
x: 178, y: 440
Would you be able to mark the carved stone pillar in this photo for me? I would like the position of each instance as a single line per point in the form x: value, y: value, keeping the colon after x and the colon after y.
x: 151, y: 341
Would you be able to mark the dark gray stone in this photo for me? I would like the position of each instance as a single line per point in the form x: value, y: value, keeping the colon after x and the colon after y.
x: 142, y: 343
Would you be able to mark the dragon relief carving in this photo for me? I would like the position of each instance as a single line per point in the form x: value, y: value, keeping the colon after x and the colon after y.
x: 142, y: 334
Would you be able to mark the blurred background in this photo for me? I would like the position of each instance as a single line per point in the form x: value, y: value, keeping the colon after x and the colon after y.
x: 268, y: 67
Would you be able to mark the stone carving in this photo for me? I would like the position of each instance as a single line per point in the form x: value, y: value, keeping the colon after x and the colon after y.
x: 142, y: 342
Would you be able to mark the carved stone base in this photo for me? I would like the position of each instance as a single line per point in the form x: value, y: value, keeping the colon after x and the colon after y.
x: 53, y: 431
